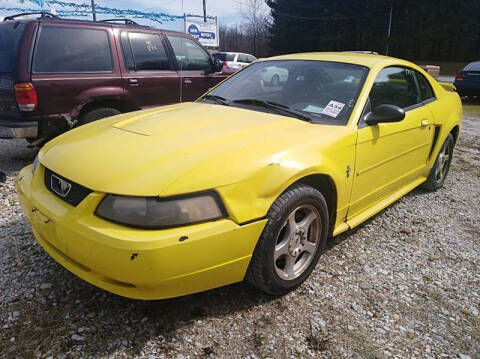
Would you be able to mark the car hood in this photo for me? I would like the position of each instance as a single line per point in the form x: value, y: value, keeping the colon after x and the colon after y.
x: 175, y: 149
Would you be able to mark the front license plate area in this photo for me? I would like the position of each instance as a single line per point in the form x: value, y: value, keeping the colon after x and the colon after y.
x: 43, y: 225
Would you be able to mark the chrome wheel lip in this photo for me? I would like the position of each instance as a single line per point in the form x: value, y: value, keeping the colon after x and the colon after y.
x: 297, y: 242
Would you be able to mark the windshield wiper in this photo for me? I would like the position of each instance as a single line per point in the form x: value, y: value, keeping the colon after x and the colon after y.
x: 276, y: 106
x: 218, y: 99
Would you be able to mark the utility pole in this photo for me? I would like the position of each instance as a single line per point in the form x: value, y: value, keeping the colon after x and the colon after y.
x: 204, y: 10
x: 389, y: 31
x: 93, y: 11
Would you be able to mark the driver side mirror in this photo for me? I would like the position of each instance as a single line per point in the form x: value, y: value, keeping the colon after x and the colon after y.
x: 383, y: 114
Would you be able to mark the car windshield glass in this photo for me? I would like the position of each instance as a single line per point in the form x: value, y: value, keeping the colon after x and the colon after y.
x: 324, y: 91
x: 10, y: 34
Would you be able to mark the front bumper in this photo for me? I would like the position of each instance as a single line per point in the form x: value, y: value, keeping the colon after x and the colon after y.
x: 12, y: 126
x: 141, y: 264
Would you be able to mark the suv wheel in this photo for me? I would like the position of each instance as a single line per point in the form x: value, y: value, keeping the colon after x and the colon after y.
x: 98, y: 114
x: 291, y: 242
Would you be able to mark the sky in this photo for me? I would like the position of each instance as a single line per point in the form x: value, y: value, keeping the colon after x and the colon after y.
x: 226, y: 10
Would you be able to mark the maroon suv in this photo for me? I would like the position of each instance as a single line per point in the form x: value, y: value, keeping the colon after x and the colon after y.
x: 57, y: 73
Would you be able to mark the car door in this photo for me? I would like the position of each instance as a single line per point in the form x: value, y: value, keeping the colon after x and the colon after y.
x: 194, y: 65
x: 390, y: 156
x: 149, y: 75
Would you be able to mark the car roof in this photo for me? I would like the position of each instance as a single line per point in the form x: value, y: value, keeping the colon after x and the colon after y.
x: 368, y: 60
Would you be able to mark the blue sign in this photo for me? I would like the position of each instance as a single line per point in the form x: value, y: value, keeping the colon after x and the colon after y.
x: 197, y: 34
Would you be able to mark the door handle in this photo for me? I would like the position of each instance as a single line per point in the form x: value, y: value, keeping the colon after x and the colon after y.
x: 187, y: 81
x: 425, y: 122
x: 133, y: 82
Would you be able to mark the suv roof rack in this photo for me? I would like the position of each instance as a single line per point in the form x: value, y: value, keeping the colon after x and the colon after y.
x: 43, y: 15
x: 122, y: 20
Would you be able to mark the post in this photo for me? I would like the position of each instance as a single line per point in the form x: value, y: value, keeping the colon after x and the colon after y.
x: 389, y: 31
x: 93, y: 11
x: 204, y: 10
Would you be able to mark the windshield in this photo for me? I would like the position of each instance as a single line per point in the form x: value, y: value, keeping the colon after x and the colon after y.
x: 324, y: 91
x: 10, y: 34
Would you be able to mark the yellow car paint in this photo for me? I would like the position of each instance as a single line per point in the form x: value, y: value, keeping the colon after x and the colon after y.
x: 248, y: 157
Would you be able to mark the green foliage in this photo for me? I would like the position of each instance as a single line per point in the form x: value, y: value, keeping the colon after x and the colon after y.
x: 442, y: 30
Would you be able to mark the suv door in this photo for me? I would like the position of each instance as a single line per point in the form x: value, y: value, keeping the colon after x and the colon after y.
x: 149, y: 76
x: 391, y: 156
x: 194, y: 65
x: 71, y: 65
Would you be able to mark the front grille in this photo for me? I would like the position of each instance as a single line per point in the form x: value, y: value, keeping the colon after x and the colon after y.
x: 76, y: 193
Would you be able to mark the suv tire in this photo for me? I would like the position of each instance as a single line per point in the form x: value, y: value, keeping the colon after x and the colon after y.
x: 97, y: 114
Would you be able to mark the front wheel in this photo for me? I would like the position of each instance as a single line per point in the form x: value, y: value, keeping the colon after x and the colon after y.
x: 291, y: 242
x: 440, y: 169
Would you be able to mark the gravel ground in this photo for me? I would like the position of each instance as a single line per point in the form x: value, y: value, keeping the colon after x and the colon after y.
x: 404, y: 284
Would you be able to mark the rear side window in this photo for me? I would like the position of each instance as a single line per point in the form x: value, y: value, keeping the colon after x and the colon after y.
x: 10, y: 36
x: 242, y: 58
x: 395, y: 86
x: 190, y: 56
x: 425, y: 89
x: 474, y: 66
x: 148, y: 52
x: 72, y: 50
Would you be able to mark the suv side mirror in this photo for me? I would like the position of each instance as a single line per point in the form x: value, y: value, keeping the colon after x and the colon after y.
x: 384, y: 113
x: 217, y: 64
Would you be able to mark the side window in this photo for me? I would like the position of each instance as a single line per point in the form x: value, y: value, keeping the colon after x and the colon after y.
x: 425, y: 89
x: 68, y: 50
x: 251, y: 58
x: 395, y: 86
x: 127, y: 52
x: 148, y: 52
x: 190, y: 56
x: 242, y: 58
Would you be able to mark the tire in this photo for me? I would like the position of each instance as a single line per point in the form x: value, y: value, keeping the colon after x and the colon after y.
x: 97, y: 114
x: 439, y: 171
x: 275, y: 81
x: 296, y: 247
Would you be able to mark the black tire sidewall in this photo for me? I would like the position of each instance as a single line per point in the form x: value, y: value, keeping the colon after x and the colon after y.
x: 98, y: 114
x: 448, y: 140
x: 275, y: 226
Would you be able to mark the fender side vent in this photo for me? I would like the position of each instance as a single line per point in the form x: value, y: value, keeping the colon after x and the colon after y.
x: 434, y: 142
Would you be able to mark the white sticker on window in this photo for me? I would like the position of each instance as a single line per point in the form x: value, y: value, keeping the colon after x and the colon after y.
x: 333, y: 108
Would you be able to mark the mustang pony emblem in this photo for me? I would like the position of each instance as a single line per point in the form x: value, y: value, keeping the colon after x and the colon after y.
x: 60, y: 186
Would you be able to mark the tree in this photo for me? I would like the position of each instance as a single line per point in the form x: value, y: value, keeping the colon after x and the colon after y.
x: 432, y: 30
x: 255, y: 14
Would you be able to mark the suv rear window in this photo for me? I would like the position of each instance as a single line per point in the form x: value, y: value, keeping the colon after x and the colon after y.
x: 72, y: 50
x: 10, y: 35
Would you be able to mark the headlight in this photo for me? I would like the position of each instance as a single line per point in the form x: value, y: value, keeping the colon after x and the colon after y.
x: 35, y: 164
x: 156, y: 212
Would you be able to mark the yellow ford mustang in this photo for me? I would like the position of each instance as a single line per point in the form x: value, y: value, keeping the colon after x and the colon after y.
x: 247, y: 182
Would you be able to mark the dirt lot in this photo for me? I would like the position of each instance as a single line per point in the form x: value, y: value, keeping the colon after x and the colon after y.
x: 404, y: 284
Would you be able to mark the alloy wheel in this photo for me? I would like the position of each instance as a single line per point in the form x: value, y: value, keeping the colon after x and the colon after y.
x: 297, y: 242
